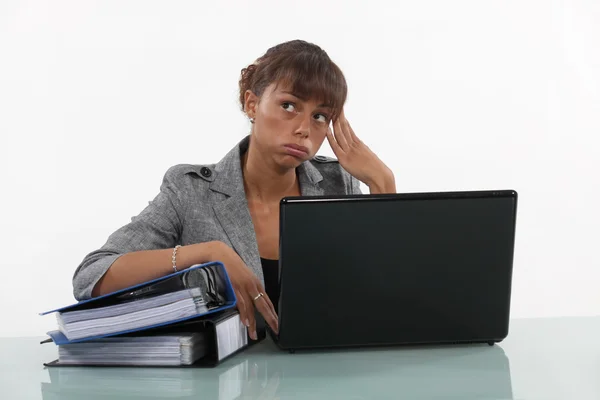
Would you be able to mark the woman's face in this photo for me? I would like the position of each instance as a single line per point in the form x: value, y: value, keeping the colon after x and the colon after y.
x: 286, y: 127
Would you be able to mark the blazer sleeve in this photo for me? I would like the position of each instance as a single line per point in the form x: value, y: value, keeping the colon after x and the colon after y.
x: 354, y: 185
x: 158, y: 226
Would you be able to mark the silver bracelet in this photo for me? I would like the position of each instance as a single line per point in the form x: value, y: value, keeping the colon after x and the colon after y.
x: 174, y: 256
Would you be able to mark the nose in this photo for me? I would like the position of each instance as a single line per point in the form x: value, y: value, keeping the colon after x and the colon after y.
x: 303, y: 129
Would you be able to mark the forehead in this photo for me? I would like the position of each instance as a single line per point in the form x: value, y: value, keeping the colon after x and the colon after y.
x: 281, y: 87
x: 285, y: 88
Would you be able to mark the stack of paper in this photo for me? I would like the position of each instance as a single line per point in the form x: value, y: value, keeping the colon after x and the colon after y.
x: 131, y: 315
x: 165, y: 350
x: 185, y: 318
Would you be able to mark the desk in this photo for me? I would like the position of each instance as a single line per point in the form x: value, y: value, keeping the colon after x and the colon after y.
x: 541, y: 359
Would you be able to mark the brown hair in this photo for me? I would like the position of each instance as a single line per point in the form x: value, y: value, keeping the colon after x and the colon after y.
x: 305, y: 67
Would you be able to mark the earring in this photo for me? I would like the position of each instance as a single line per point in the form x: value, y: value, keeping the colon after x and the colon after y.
x: 251, y: 120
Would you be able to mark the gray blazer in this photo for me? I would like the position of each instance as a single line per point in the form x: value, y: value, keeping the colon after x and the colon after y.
x: 202, y: 203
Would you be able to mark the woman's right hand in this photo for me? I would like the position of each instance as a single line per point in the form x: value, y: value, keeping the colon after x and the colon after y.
x: 246, y: 286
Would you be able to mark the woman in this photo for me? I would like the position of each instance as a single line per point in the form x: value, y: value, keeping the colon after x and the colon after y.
x: 229, y: 211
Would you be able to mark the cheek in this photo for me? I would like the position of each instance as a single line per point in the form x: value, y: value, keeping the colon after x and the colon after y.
x: 273, y: 116
x: 270, y: 124
x: 316, y: 141
x: 280, y: 128
x: 320, y: 131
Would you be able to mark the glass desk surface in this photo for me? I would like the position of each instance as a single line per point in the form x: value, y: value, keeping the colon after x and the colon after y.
x: 556, y: 358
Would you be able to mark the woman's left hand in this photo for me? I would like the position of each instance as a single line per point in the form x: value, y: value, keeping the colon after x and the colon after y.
x: 356, y: 158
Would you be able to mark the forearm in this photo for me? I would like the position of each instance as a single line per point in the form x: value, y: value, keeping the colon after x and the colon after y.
x: 386, y: 183
x: 141, y: 266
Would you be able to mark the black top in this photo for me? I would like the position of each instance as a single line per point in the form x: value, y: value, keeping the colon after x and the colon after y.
x: 271, y: 273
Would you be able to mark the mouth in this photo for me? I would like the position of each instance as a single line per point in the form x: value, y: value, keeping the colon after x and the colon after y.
x: 296, y: 150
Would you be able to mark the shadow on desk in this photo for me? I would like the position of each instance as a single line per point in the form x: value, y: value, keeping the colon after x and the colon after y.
x: 462, y: 372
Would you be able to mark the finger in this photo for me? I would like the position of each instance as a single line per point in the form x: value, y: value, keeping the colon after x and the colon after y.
x: 334, y: 145
x: 271, y: 306
x: 264, y: 305
x: 270, y: 317
x: 250, y: 317
x: 339, y: 134
x: 261, y: 289
x: 242, y: 308
x: 273, y: 313
x: 349, y: 131
x: 346, y: 130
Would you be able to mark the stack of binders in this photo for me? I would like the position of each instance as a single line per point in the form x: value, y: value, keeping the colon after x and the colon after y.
x: 187, y: 318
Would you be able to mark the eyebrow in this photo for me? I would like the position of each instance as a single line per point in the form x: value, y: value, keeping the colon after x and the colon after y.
x: 304, y: 99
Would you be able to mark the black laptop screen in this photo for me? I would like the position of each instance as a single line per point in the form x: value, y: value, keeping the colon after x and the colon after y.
x: 403, y: 268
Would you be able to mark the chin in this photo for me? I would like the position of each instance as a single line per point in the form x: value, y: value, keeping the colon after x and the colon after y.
x: 290, y: 162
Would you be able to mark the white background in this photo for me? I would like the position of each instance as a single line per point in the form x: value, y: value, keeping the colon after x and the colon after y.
x: 98, y: 99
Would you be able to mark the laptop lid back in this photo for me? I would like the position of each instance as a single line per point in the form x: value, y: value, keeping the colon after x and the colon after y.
x: 396, y: 268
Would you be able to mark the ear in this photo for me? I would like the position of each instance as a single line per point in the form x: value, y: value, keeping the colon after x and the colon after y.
x: 250, y: 103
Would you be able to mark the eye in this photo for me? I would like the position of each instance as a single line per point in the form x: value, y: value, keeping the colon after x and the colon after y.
x: 287, y: 106
x: 324, y: 118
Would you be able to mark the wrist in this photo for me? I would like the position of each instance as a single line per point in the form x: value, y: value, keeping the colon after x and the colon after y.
x: 197, y: 253
x: 384, y: 183
x: 210, y: 251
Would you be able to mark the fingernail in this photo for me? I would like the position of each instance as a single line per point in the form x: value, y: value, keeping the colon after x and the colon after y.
x: 253, y: 335
x: 247, y: 322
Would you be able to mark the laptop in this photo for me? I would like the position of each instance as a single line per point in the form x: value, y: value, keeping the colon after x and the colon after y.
x: 395, y: 269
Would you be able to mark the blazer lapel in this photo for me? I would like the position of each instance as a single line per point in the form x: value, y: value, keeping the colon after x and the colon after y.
x: 309, y: 178
x: 234, y: 217
x: 232, y: 211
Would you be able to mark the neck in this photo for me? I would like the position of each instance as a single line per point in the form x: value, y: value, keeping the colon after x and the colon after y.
x: 264, y: 181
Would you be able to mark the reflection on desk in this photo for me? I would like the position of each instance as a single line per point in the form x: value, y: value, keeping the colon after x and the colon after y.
x: 465, y: 372
x: 550, y: 358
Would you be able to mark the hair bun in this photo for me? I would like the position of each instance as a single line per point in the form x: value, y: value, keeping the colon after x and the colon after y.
x: 246, y: 81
